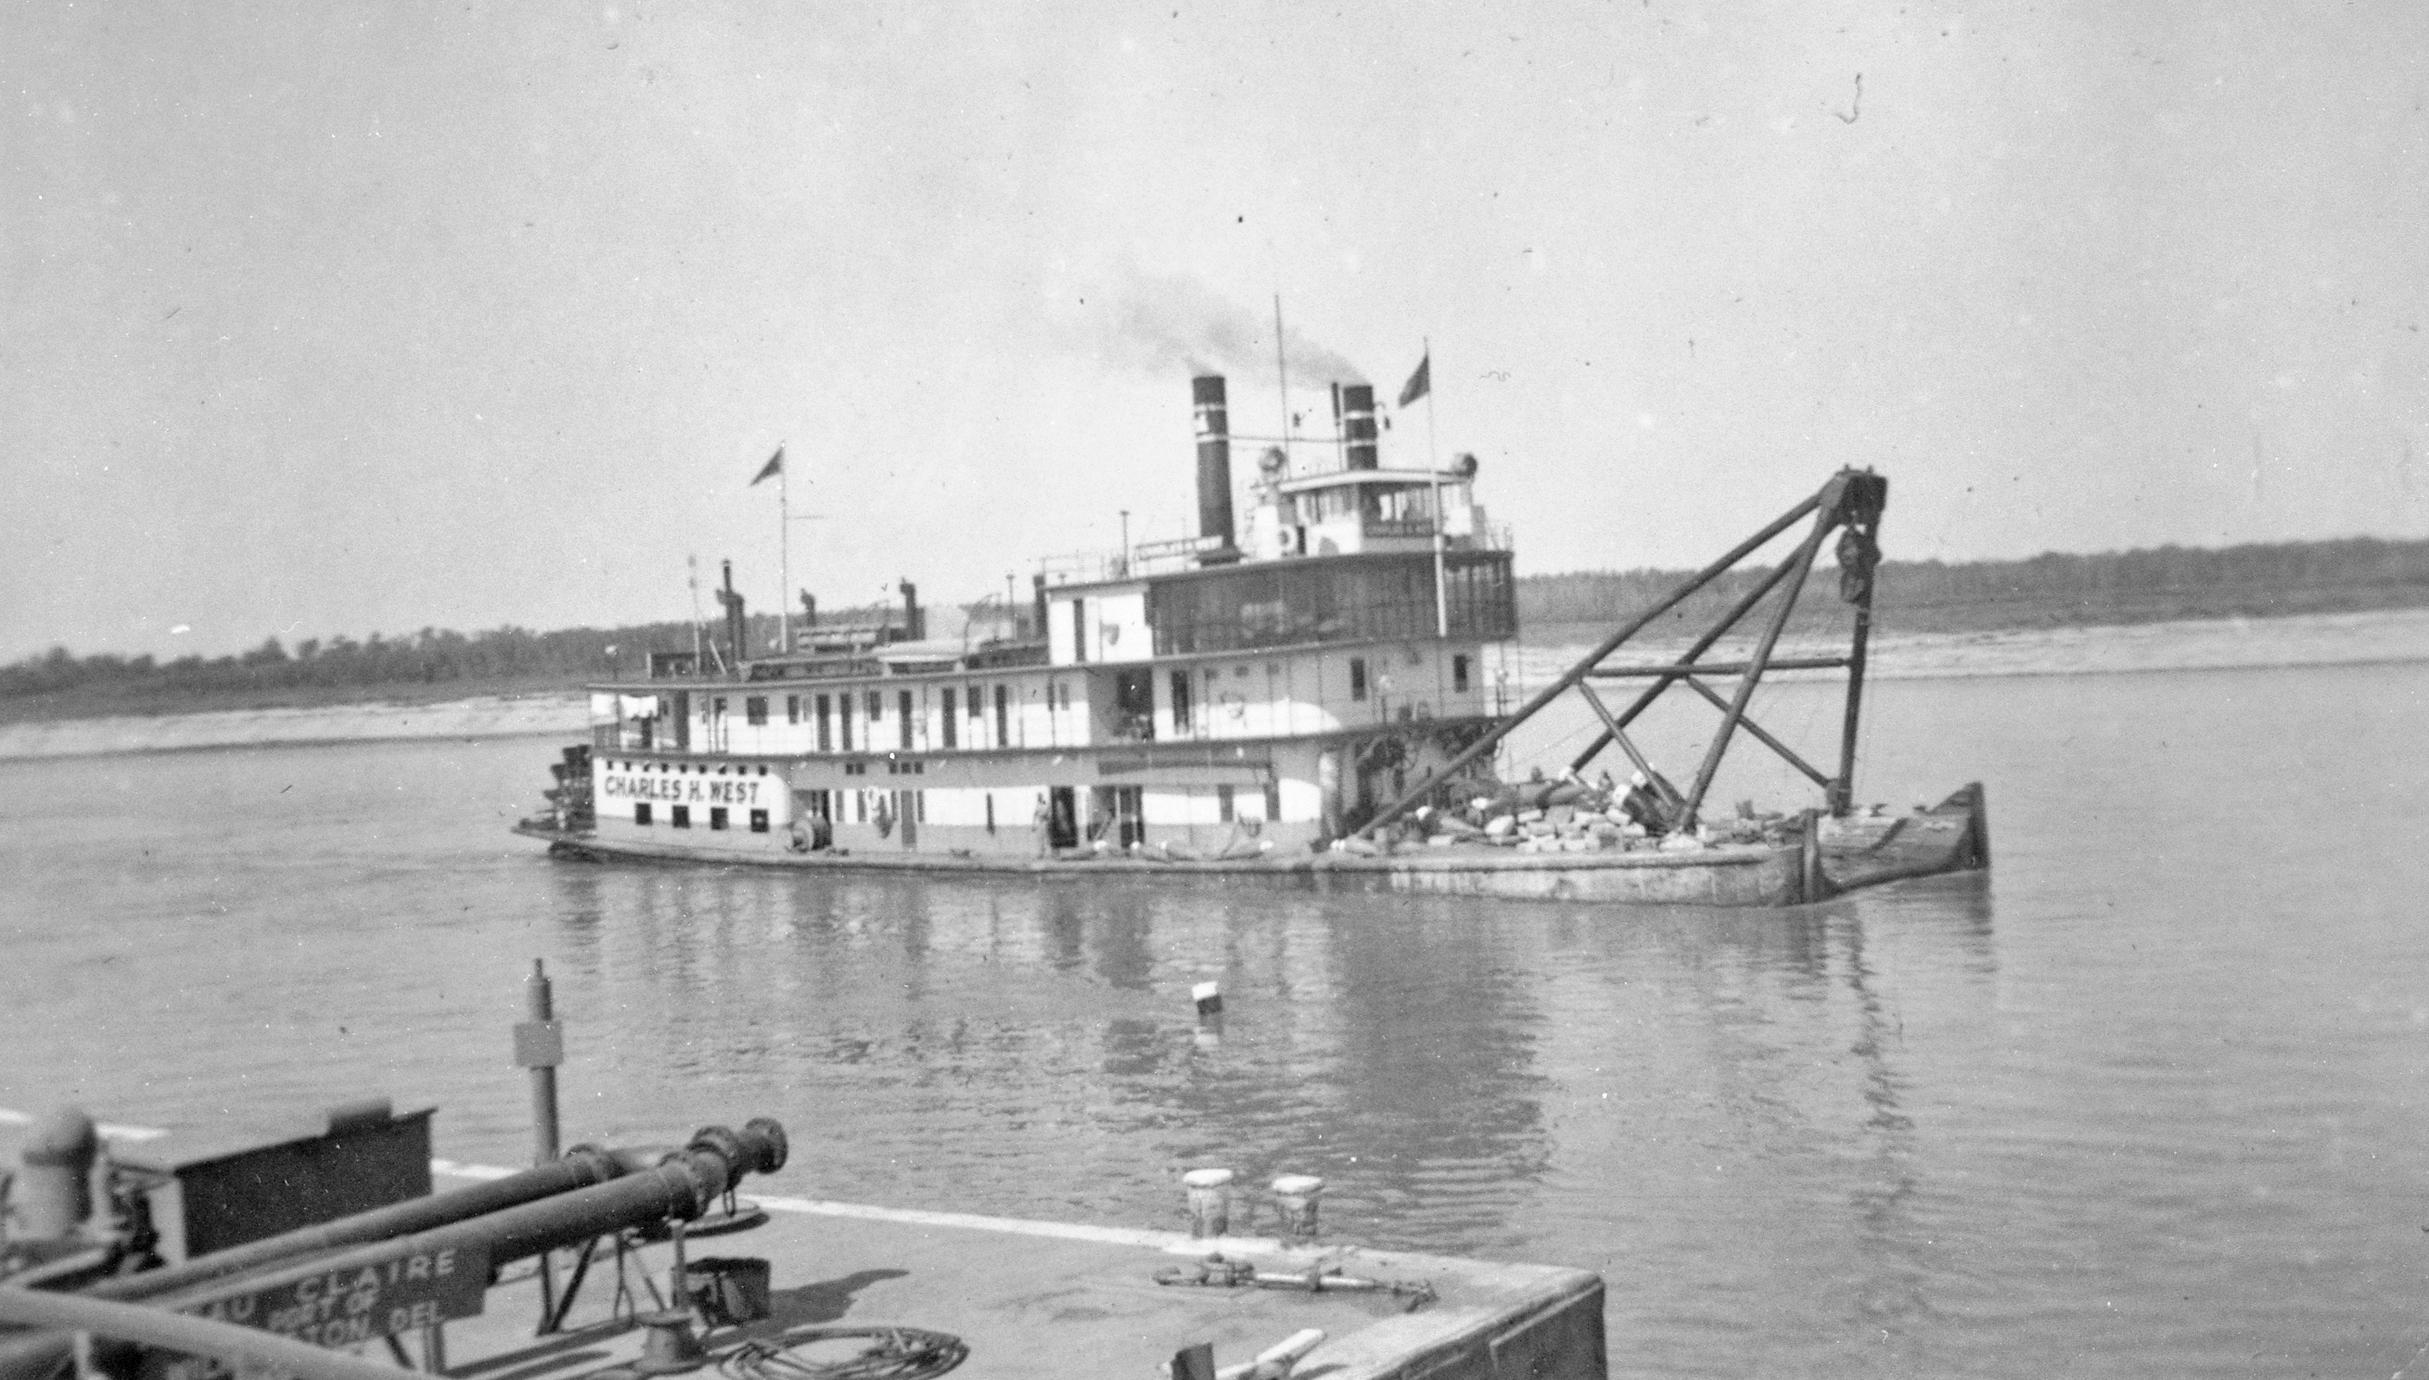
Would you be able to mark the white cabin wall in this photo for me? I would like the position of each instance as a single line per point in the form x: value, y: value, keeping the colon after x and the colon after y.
x: 1118, y: 624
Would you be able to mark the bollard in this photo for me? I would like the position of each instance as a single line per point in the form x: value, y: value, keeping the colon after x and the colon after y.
x: 1295, y: 1198
x: 53, y: 1195
x: 1209, y: 1201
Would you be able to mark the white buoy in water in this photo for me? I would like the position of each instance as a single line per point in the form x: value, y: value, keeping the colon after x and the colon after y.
x: 1209, y: 999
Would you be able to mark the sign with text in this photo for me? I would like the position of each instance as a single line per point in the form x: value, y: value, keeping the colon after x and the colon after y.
x: 363, y: 1303
x: 690, y: 790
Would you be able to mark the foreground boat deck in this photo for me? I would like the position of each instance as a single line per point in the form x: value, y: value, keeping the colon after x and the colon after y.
x: 1045, y: 1299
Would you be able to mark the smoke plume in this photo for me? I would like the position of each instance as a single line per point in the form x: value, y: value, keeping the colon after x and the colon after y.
x: 1166, y: 323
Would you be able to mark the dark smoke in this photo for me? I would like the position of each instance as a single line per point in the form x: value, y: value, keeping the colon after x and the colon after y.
x: 1166, y: 323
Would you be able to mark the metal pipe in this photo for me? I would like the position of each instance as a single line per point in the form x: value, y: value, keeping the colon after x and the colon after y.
x: 243, y: 1349
x: 1577, y: 672
x: 583, y: 1167
x: 683, y: 1187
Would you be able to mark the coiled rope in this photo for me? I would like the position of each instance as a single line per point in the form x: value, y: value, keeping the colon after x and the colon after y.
x: 893, y: 1353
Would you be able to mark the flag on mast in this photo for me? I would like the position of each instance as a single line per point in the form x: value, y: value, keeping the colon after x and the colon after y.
x: 774, y: 466
x: 1419, y: 383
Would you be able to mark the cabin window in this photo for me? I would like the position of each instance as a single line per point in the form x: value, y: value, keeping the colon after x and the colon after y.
x: 1003, y: 716
x: 792, y: 709
x: 909, y: 717
x: 754, y: 709
x: 1182, y: 684
x: 825, y: 739
x: 1134, y: 705
x: 1357, y: 678
x: 1459, y: 673
x: 681, y: 816
x: 951, y: 723
x: 1273, y: 800
x: 877, y: 712
x: 1225, y: 807
x: 1369, y: 598
x: 758, y: 821
x: 641, y: 813
x: 716, y: 816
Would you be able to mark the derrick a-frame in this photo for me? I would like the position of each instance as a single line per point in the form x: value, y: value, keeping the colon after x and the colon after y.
x: 1849, y: 505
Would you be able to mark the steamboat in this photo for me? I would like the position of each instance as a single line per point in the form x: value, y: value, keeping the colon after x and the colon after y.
x: 1314, y: 690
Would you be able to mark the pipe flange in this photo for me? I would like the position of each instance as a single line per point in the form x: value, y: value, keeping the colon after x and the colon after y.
x: 723, y: 1143
x: 597, y: 1161
x: 775, y: 1147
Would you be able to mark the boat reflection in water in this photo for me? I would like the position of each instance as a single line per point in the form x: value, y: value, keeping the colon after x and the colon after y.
x: 1435, y: 1061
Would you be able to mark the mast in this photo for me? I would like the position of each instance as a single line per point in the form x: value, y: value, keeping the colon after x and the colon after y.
x: 1282, y: 374
x: 1433, y: 465
x: 784, y: 562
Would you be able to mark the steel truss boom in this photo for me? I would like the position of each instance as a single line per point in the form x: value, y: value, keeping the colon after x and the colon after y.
x: 1851, y: 504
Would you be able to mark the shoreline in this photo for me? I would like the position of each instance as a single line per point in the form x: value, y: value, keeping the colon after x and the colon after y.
x: 2372, y: 637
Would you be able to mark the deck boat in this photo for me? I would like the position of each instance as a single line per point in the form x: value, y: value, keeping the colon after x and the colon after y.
x: 1315, y: 694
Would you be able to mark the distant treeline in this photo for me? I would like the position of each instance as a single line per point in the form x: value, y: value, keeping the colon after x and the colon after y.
x: 2253, y: 581
x: 1912, y: 596
x: 432, y: 656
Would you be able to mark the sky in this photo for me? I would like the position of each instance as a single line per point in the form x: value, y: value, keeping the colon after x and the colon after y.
x: 349, y: 318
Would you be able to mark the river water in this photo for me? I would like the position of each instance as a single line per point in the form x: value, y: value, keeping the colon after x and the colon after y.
x: 2148, y: 1101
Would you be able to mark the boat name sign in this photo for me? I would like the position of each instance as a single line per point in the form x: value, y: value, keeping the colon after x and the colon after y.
x: 679, y: 789
x: 356, y: 1304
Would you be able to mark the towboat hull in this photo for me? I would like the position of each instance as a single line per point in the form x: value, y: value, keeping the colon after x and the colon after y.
x: 1843, y: 855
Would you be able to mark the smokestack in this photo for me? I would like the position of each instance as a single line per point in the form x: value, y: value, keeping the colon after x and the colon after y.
x: 1214, y: 467
x: 915, y: 627
x: 735, y: 624
x: 1358, y: 425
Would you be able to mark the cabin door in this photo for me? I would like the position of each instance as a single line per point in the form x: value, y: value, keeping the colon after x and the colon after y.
x: 1119, y: 815
x: 1062, y: 817
x: 683, y: 721
x: 906, y: 815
